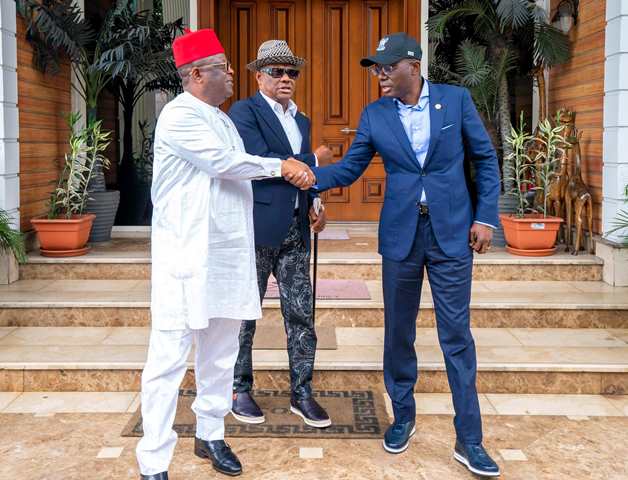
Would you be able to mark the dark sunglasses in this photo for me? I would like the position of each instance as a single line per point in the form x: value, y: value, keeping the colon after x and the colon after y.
x: 278, y: 72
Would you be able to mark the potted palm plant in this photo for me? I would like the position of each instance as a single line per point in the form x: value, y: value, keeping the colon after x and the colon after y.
x: 12, y: 250
x: 529, y: 231
x: 66, y: 229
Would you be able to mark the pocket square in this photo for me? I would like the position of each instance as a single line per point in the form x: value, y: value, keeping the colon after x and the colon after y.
x: 447, y: 126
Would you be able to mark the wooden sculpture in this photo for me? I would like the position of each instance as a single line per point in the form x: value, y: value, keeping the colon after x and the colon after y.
x: 558, y: 184
x: 578, y: 199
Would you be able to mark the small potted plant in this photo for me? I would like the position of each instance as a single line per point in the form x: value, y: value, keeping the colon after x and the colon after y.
x: 65, y: 231
x: 12, y: 250
x: 530, y: 231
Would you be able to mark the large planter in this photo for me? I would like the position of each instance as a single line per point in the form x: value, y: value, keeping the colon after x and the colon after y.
x: 104, y: 205
x: 532, y: 235
x: 62, y: 237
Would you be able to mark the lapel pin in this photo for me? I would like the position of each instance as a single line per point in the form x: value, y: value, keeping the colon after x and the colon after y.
x: 438, y: 106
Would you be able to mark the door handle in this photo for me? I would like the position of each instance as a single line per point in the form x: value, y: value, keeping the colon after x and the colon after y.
x: 347, y: 131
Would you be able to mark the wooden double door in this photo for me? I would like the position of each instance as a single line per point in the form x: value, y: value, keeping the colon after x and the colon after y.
x: 332, y: 36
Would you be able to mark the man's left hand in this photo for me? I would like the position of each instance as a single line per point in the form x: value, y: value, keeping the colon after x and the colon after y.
x: 480, y: 237
x: 317, y: 222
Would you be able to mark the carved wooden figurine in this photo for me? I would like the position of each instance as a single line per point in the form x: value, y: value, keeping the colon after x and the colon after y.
x: 560, y: 179
x: 578, y: 199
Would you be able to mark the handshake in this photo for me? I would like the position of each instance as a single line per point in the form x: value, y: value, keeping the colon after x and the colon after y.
x: 299, y: 174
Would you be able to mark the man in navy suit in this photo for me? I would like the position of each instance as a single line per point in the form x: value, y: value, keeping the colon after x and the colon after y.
x: 423, y: 132
x: 271, y: 125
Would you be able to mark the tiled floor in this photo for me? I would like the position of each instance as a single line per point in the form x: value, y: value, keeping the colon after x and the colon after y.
x: 427, y: 403
x: 79, y: 446
x: 485, y: 294
x: 507, y: 348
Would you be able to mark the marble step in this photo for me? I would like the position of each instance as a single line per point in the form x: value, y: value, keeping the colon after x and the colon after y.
x: 125, y: 303
x: 129, y: 259
x: 548, y: 361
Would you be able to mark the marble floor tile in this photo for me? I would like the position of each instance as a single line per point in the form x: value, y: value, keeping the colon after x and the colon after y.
x: 439, y: 404
x: 620, y: 402
x: 71, y: 402
x: 374, y: 336
x: 72, y: 356
x: 128, y: 336
x: 135, y: 404
x: 56, y: 336
x: 619, y: 333
x: 564, y: 356
x: 513, y: 455
x: 92, y: 286
x: 567, y: 337
x: 110, y: 452
x: 6, y: 398
x: 531, y: 404
x: 4, y: 331
x: 310, y: 453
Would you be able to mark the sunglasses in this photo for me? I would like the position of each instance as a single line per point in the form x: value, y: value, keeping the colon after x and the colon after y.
x: 278, y: 72
x: 377, y: 70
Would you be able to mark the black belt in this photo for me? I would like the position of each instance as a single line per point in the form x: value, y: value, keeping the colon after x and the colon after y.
x: 423, y: 209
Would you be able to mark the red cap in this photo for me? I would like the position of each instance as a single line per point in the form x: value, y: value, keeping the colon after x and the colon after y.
x: 193, y: 46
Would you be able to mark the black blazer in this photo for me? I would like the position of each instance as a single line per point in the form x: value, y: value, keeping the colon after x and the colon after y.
x: 263, y: 135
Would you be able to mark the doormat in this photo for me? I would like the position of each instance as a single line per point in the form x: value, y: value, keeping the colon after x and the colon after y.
x: 333, y: 234
x: 273, y: 337
x: 354, y: 414
x: 328, y: 289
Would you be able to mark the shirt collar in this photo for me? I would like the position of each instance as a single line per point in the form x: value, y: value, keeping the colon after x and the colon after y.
x: 276, y: 106
x: 424, y: 100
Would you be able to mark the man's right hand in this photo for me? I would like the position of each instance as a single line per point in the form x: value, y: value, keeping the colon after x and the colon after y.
x: 324, y: 155
x: 297, y: 173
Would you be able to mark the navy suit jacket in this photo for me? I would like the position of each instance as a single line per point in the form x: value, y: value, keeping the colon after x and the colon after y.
x: 456, y: 131
x: 274, y: 199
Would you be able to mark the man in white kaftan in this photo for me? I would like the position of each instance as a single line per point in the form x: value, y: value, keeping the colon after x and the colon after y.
x: 204, y: 280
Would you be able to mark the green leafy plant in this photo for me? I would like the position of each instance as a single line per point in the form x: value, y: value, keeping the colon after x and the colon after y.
x: 512, y: 32
x: 519, y: 168
x: 87, y: 146
x: 621, y: 220
x: 11, y: 241
x: 552, y: 145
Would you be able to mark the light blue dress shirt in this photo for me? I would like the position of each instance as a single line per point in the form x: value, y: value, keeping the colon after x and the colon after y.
x: 416, y: 123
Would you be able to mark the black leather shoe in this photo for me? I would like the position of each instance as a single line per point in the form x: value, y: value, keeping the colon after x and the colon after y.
x: 158, y: 476
x: 397, y: 437
x: 311, y: 412
x: 245, y: 409
x: 219, y: 452
x: 475, y: 458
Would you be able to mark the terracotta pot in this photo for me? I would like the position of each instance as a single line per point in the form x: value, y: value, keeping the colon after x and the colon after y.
x: 62, y: 236
x: 532, y: 232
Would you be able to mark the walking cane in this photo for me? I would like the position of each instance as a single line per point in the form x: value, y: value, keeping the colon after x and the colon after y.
x: 317, y: 208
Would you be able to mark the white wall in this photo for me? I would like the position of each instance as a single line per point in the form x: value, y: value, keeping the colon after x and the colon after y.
x: 615, y: 155
x: 9, y: 148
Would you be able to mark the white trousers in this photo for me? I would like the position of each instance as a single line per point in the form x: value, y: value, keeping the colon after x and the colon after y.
x: 215, y: 356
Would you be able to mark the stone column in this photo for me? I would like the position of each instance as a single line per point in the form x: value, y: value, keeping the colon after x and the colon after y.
x: 615, y: 154
x: 9, y: 126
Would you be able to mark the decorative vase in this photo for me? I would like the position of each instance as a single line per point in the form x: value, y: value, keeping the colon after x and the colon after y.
x: 104, y: 205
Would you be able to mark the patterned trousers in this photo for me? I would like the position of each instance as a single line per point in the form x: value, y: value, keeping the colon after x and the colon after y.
x: 290, y: 264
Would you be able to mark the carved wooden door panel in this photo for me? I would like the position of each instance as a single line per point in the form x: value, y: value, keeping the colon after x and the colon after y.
x: 345, y: 32
x: 333, y: 35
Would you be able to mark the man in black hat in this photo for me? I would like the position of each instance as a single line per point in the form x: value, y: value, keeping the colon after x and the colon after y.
x: 271, y: 125
x: 423, y: 131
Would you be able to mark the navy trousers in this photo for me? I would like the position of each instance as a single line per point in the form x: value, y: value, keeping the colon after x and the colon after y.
x: 450, y: 282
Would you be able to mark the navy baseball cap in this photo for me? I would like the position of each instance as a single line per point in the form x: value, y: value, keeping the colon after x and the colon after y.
x: 393, y: 48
